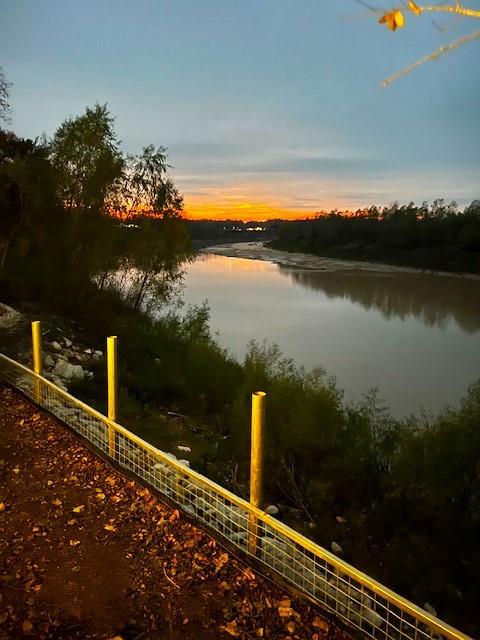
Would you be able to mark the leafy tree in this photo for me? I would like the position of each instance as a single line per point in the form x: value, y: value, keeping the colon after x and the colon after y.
x: 87, y: 160
x: 145, y: 188
x: 26, y: 193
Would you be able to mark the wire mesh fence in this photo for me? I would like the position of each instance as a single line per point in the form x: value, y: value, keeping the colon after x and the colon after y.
x: 333, y: 584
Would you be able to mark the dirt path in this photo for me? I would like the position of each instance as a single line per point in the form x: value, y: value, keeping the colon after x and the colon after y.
x: 87, y: 553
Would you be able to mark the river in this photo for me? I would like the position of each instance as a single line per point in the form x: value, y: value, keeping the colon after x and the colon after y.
x: 415, y: 336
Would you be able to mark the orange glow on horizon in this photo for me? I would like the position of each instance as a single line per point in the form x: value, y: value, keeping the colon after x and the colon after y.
x: 241, y: 210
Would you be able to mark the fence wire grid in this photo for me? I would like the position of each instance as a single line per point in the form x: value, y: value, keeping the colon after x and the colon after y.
x: 334, y: 585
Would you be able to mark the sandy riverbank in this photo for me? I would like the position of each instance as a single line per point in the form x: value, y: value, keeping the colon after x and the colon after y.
x: 257, y: 251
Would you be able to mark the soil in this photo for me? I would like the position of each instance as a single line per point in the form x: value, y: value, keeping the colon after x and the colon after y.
x: 86, y: 552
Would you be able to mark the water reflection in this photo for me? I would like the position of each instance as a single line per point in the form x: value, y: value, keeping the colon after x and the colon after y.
x: 435, y: 300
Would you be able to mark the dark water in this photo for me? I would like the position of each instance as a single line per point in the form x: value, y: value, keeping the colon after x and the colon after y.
x: 415, y: 336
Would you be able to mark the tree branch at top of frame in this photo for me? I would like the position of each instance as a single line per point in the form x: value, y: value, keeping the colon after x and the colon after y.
x: 395, y: 19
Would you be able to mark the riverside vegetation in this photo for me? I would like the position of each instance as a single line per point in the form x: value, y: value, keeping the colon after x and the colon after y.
x: 436, y: 236
x: 91, y: 234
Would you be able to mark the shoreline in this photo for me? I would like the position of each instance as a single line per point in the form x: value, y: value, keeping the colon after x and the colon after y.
x: 293, y: 260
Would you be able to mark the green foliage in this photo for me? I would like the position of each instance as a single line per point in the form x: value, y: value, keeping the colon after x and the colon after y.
x: 436, y: 236
x: 86, y: 159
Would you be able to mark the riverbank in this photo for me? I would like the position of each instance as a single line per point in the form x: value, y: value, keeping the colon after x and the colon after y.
x: 259, y: 251
x: 348, y: 483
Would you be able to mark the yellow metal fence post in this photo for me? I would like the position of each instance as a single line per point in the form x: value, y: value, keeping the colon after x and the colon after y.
x: 256, y: 464
x: 37, y: 357
x: 112, y: 384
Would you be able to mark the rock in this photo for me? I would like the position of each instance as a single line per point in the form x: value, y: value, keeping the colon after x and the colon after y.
x: 55, y: 345
x: 336, y: 548
x: 98, y: 354
x: 48, y: 361
x: 184, y: 449
x: 272, y: 510
x: 68, y: 343
x: 372, y: 617
x: 9, y: 317
x: 68, y: 371
x: 341, y: 520
x: 88, y: 351
x: 59, y: 383
x: 88, y: 374
x: 428, y: 607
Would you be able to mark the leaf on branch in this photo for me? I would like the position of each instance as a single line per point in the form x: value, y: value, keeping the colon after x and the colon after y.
x: 413, y: 7
x: 393, y: 19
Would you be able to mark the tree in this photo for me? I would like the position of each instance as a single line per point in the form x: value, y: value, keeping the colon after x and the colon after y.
x: 26, y: 193
x: 4, y: 95
x: 87, y: 160
x: 145, y: 188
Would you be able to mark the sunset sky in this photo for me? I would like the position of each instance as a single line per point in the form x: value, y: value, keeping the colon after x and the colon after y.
x: 269, y: 108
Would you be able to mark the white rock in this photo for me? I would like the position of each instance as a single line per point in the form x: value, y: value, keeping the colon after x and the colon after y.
x: 68, y: 343
x: 88, y: 351
x: 68, y: 371
x: 184, y: 463
x: 56, y: 346
x: 184, y: 449
x: 59, y: 383
x: 372, y: 617
x: 272, y: 510
x: 48, y: 361
x: 336, y: 548
x: 341, y: 520
x: 98, y: 354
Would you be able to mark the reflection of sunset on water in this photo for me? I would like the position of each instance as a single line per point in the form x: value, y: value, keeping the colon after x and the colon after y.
x: 367, y: 329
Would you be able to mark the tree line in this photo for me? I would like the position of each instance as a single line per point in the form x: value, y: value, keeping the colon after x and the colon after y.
x: 437, y: 236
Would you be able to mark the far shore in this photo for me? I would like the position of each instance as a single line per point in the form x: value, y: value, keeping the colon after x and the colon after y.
x: 258, y: 251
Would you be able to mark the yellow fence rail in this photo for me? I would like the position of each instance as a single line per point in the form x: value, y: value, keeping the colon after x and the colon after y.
x: 334, y: 585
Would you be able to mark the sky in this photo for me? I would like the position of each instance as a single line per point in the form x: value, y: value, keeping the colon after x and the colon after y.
x: 268, y: 108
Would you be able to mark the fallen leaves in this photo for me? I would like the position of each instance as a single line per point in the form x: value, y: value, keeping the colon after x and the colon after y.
x: 320, y: 624
x: 220, y: 561
x: 231, y: 628
x: 122, y: 524
x: 27, y: 627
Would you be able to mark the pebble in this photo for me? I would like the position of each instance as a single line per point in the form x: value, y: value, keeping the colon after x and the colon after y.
x: 336, y: 548
x: 272, y: 510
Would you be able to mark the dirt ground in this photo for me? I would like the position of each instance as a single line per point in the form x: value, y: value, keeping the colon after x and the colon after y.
x: 87, y: 553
